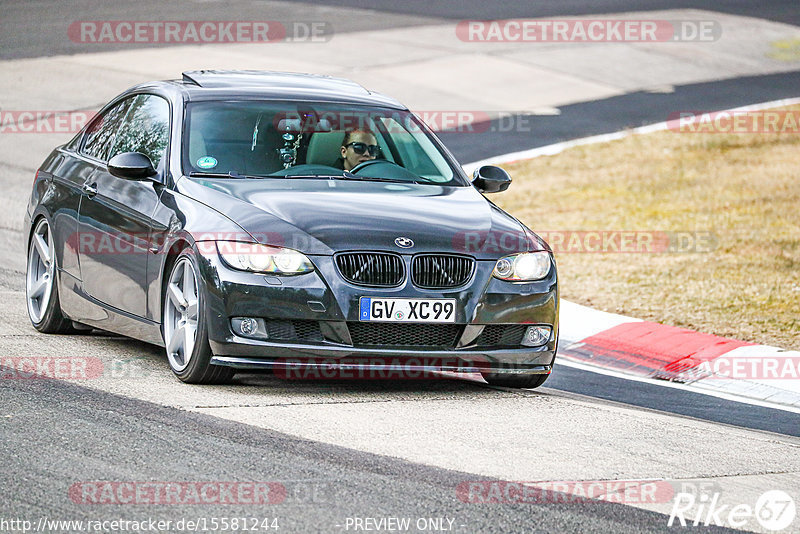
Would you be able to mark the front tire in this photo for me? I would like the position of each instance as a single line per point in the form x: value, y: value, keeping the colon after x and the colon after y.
x: 41, y: 289
x: 184, y: 324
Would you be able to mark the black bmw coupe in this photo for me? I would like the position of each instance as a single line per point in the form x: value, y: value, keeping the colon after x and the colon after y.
x: 249, y: 220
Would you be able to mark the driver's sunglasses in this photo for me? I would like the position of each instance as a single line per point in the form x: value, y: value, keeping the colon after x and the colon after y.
x: 362, y: 148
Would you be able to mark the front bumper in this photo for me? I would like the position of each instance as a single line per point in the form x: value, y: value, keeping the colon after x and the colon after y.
x: 373, y: 366
x: 325, y: 298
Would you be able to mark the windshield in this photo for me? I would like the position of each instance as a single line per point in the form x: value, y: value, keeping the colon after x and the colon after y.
x: 258, y: 139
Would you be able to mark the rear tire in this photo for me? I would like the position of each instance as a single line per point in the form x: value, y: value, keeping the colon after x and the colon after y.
x: 41, y: 288
x: 183, y: 324
x: 515, y: 381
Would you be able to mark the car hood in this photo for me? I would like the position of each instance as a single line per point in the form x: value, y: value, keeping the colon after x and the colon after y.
x: 319, y: 216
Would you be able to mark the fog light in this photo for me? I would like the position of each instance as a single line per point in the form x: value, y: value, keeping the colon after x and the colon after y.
x: 536, y: 336
x: 249, y: 327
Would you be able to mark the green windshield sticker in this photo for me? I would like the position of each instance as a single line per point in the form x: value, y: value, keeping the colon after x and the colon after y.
x: 207, y: 162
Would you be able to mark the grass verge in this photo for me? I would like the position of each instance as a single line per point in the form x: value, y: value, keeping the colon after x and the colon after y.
x: 742, y: 188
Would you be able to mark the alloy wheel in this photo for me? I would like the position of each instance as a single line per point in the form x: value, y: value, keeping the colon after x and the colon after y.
x: 40, y: 275
x: 180, y: 314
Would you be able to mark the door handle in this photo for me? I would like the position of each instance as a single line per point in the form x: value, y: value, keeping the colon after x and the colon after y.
x: 90, y: 189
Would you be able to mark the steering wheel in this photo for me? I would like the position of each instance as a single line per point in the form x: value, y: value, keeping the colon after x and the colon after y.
x: 365, y: 164
x: 391, y: 171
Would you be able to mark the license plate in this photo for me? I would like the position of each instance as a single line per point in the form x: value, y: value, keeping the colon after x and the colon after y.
x: 407, y: 310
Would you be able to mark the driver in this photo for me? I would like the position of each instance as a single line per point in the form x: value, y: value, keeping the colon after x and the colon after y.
x: 357, y: 147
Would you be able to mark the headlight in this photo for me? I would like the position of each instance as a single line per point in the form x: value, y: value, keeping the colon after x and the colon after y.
x: 525, y: 266
x: 263, y: 259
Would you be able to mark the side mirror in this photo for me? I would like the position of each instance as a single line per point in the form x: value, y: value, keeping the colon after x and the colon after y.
x: 131, y: 166
x: 490, y: 179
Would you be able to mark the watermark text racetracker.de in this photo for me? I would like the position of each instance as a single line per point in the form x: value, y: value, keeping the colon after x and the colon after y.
x: 198, y: 31
x: 177, y: 492
x: 767, y: 121
x: 43, y: 121
x: 375, y: 368
x: 208, y: 492
x: 470, y: 121
x: 588, y: 30
x: 758, y: 367
x: 73, y: 368
x: 51, y: 367
x: 565, y: 491
x: 590, y: 241
x: 462, y: 121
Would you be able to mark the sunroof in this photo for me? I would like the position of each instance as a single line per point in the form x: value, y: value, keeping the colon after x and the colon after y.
x: 252, y: 78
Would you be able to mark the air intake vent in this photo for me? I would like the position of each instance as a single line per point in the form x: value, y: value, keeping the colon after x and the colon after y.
x: 297, y: 330
x: 508, y: 335
x: 440, y: 271
x: 373, y: 269
x: 404, y: 335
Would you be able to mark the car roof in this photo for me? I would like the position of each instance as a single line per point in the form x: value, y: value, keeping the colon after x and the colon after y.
x: 250, y: 84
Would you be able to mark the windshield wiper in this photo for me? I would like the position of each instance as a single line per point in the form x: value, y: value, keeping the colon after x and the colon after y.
x: 350, y: 176
x: 196, y: 174
x: 344, y: 176
x: 231, y: 174
x: 293, y: 176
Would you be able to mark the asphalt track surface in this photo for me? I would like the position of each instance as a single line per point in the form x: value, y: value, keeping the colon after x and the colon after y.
x: 777, y: 10
x: 106, y: 437
x: 615, y: 114
x: 36, y: 28
x: 57, y: 429
x: 680, y: 402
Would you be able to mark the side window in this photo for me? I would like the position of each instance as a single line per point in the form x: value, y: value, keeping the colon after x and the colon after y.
x: 145, y: 130
x: 101, y: 133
